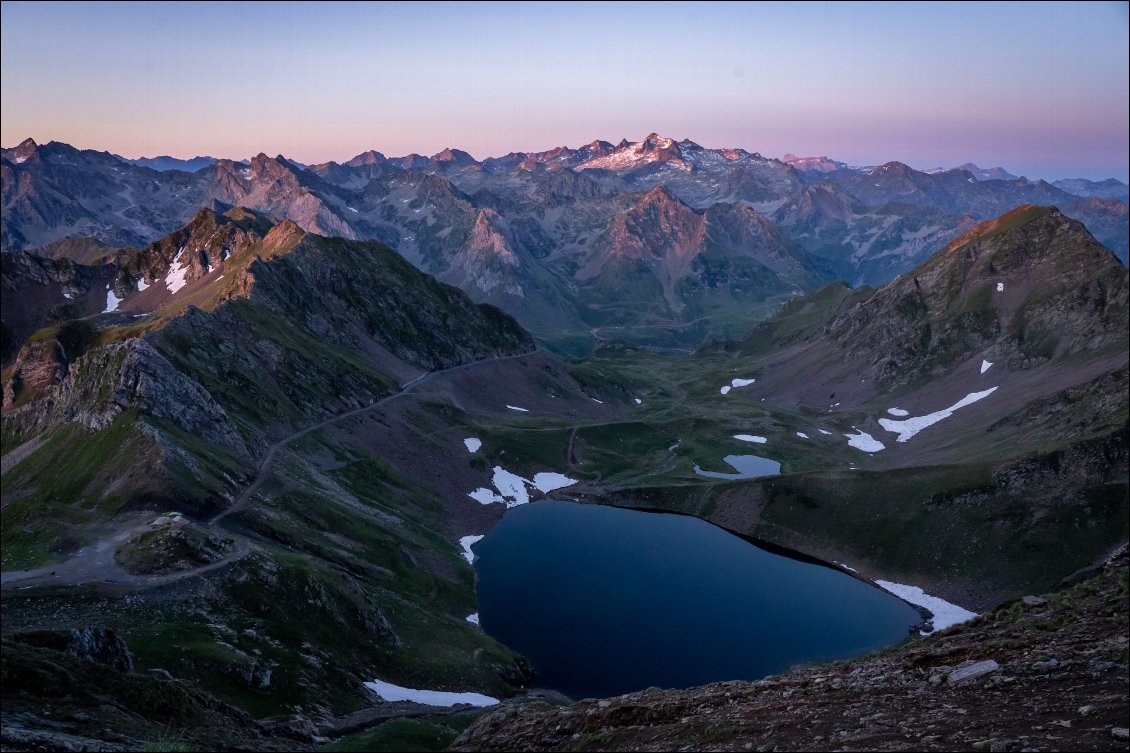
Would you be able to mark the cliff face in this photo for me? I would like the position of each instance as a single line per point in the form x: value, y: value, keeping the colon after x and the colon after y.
x: 1042, y: 673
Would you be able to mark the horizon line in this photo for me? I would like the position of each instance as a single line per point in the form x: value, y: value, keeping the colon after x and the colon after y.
x: 537, y: 151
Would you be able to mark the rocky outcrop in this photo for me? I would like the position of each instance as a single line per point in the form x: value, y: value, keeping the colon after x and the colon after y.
x: 41, y: 365
x: 99, y: 645
x: 488, y: 261
x: 204, y: 244
x: 1050, y: 674
x: 129, y: 375
x: 39, y: 292
x: 277, y: 187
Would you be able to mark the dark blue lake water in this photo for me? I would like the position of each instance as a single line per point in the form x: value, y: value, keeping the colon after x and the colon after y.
x: 606, y: 601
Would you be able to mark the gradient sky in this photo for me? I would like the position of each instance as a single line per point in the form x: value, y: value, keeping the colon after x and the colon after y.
x: 1039, y: 88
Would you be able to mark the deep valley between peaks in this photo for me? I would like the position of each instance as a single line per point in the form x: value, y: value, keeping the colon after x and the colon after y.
x: 252, y: 449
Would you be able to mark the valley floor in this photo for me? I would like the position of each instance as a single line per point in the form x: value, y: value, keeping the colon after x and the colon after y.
x: 1059, y: 682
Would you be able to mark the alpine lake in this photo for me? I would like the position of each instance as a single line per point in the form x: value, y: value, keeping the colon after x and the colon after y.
x: 605, y: 600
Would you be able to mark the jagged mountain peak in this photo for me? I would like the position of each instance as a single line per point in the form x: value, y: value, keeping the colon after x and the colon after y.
x: 488, y: 236
x: 262, y: 164
x: 285, y: 234
x: 660, y: 193
x: 628, y: 155
x: 27, y: 149
x: 893, y: 167
x: 370, y: 157
x: 453, y: 156
x: 654, y: 140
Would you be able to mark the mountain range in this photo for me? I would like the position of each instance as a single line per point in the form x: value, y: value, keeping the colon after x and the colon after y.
x: 550, y: 236
x: 253, y: 414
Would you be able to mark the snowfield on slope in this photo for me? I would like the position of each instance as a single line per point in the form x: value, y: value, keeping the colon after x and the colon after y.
x: 945, y: 613
x: 864, y: 441
x: 112, y: 301
x: 911, y: 426
x: 467, y: 542
x: 734, y: 383
x: 389, y: 692
x: 513, y: 489
x: 174, y: 281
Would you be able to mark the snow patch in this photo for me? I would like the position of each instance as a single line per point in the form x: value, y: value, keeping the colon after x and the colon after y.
x: 596, y: 401
x: 945, y: 614
x: 389, y: 692
x: 112, y: 301
x: 20, y: 160
x: 68, y: 295
x: 1000, y: 287
x: 802, y: 435
x: 911, y: 426
x: 638, y: 401
x: 473, y: 444
x: 467, y: 542
x: 174, y: 281
x: 898, y: 412
x: 513, y: 489
x: 985, y: 365
x: 473, y: 618
x: 141, y: 284
x: 521, y: 410
x: 511, y: 486
x: 737, y: 383
x: 864, y: 441
x: 751, y: 438
x: 547, y: 482
x: 351, y: 209
x: 827, y: 433
x: 484, y: 496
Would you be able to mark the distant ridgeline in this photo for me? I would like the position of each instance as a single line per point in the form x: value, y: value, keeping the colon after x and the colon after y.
x: 661, y: 243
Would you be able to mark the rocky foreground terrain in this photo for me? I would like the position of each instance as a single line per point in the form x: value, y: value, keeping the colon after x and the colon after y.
x: 1038, y: 673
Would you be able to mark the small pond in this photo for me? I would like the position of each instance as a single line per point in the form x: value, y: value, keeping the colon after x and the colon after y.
x: 747, y: 466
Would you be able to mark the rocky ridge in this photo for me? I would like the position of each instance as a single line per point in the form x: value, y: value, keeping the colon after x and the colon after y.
x: 555, y: 211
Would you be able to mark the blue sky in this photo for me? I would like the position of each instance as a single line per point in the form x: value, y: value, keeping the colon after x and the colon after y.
x: 1040, y: 88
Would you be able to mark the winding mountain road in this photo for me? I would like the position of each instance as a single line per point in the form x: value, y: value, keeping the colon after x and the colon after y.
x: 96, y: 562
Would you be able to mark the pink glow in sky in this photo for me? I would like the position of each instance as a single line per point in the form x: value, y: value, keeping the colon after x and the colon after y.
x: 1040, y: 89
